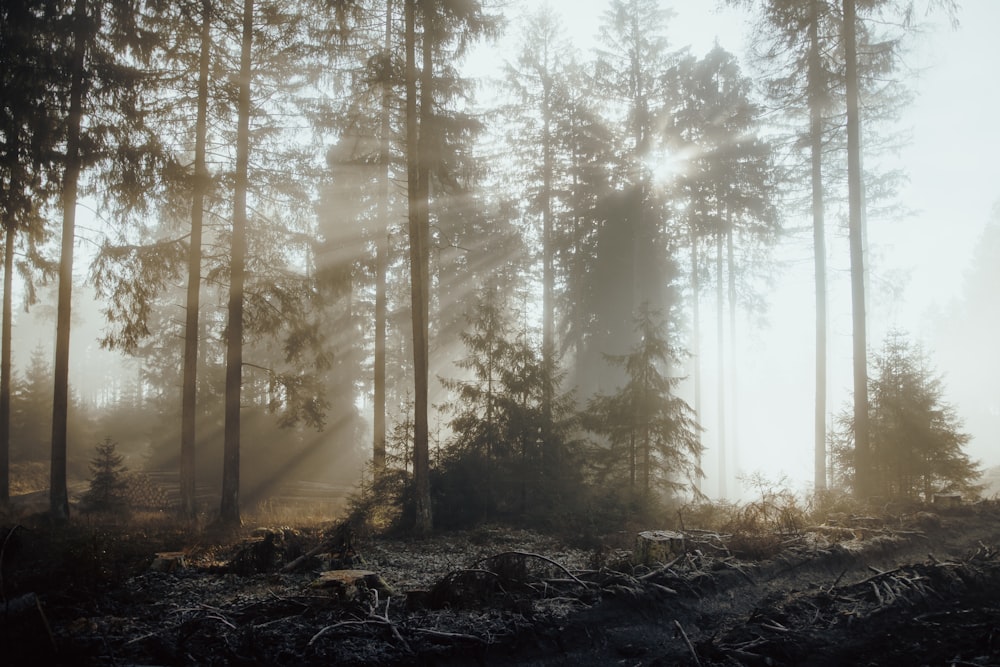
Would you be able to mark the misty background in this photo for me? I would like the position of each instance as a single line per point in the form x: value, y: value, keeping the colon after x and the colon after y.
x: 934, y: 273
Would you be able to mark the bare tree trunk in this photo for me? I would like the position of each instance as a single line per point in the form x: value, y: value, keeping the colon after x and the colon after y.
x: 816, y: 95
x: 721, y: 351
x: 548, y: 273
x: 58, y: 494
x: 419, y: 192
x: 229, y: 512
x: 696, y: 341
x: 862, y: 459
x: 189, y: 391
x: 5, y: 368
x: 733, y: 367
x: 381, y: 258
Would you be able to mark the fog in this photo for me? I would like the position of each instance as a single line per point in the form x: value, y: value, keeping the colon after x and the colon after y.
x: 924, y: 280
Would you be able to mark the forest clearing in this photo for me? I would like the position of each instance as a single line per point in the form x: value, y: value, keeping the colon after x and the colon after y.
x: 893, y: 587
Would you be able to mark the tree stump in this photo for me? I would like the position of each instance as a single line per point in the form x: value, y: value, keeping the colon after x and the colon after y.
x: 168, y: 561
x: 657, y: 546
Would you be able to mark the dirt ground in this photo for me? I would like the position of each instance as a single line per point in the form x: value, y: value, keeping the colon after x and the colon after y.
x: 913, y: 589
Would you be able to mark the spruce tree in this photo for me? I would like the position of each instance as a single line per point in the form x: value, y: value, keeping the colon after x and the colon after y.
x: 650, y: 431
x: 917, y: 439
x: 108, y: 482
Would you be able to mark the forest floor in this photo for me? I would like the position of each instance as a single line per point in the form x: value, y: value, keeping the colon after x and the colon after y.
x: 919, y: 588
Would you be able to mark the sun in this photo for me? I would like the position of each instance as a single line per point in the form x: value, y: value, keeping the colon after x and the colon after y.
x: 664, y: 167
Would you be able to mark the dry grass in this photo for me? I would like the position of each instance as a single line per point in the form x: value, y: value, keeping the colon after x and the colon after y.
x: 760, y: 528
x: 28, y: 477
x: 298, y: 515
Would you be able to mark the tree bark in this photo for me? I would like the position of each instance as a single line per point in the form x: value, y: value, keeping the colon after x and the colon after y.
x: 816, y: 97
x: 229, y: 513
x: 189, y: 385
x: 721, y: 373
x: 733, y: 368
x: 419, y: 192
x: 5, y: 367
x: 696, y: 340
x: 381, y: 258
x: 548, y: 273
x: 58, y: 494
x: 862, y: 459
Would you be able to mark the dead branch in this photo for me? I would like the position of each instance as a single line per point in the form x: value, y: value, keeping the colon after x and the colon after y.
x: 878, y: 573
x: 694, y: 654
x: 774, y: 625
x: 662, y: 588
x: 450, y: 635
x: 661, y: 570
x: 342, y: 624
x: 878, y: 595
x: 381, y: 620
x: 525, y: 554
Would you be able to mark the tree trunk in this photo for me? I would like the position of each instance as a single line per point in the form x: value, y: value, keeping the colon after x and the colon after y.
x: 419, y: 192
x: 58, y: 494
x: 733, y: 369
x: 721, y: 374
x: 381, y: 258
x: 5, y: 370
x: 696, y: 341
x: 189, y: 405
x: 862, y: 463
x: 816, y: 95
x: 548, y: 273
x: 632, y: 460
x: 229, y: 512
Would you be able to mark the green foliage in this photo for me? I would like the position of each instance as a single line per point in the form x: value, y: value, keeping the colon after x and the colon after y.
x: 497, y: 463
x: 130, y: 277
x: 651, y: 433
x: 384, y: 504
x: 917, y: 439
x: 109, y: 481
x: 31, y: 415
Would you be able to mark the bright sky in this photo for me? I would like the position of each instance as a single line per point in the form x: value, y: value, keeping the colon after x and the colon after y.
x: 954, y: 182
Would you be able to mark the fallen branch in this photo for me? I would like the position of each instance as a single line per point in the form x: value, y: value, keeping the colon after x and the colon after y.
x: 294, y: 565
x: 661, y: 569
x: 774, y: 625
x: 525, y: 554
x: 373, y: 619
x: 450, y: 635
x: 839, y: 577
x: 694, y: 654
x: 878, y: 573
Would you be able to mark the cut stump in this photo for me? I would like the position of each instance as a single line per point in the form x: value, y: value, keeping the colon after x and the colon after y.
x: 657, y: 546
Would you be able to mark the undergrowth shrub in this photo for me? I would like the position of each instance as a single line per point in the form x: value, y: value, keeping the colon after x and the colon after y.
x: 382, y: 505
